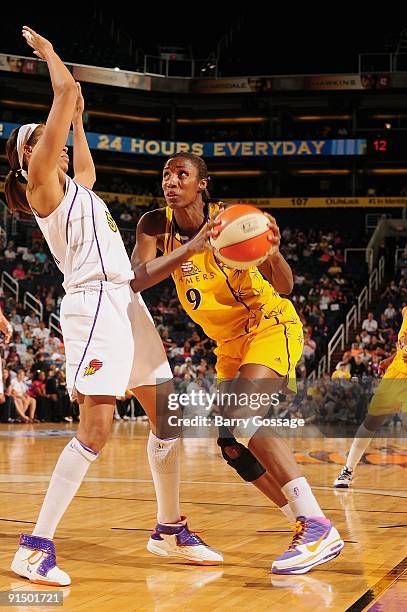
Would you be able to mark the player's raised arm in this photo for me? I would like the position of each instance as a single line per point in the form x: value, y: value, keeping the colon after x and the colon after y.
x: 46, y: 154
x: 83, y: 166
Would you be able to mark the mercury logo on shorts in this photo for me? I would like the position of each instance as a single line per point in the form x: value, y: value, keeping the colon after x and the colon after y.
x: 93, y: 367
x: 111, y: 221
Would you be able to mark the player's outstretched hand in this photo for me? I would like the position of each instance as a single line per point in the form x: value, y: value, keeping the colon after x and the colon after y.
x: 80, y: 105
x: 41, y: 45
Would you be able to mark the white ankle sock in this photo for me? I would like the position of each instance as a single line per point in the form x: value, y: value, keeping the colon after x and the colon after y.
x: 164, y: 460
x: 288, y: 513
x: 300, y: 498
x: 66, y: 479
x: 360, y: 443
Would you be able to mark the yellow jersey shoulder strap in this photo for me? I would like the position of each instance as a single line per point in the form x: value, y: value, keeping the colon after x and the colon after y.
x: 168, y: 215
x: 214, y: 208
x: 168, y: 230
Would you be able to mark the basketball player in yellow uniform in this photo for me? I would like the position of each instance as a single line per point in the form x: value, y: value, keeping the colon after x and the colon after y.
x: 390, y: 397
x: 258, y: 335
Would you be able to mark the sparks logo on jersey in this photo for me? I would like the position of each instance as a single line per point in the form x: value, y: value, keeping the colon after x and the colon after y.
x: 93, y: 367
x: 189, y: 268
x: 111, y: 221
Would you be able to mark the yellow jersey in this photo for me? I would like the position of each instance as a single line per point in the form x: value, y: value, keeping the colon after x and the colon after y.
x: 225, y: 302
x: 398, y: 361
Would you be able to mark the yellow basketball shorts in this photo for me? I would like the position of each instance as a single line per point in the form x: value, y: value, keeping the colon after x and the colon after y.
x: 391, y: 394
x: 276, y: 343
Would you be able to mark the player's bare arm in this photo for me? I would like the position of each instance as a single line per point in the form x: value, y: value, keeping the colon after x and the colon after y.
x: 150, y: 269
x: 275, y: 269
x: 83, y: 166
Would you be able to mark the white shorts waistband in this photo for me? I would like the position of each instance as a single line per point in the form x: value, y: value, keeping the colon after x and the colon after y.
x: 96, y: 286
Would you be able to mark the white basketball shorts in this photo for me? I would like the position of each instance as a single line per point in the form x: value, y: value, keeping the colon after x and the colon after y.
x: 111, y: 342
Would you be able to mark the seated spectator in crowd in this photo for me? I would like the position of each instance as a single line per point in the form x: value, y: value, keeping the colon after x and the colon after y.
x: 51, y: 389
x: 53, y: 344
x: 18, y: 273
x: 354, y: 349
x: 41, y: 332
x: 36, y: 268
x: 376, y: 345
x: 37, y: 391
x: 27, y: 357
x: 50, y: 304
x: 22, y: 399
x: 27, y: 335
x: 26, y: 254
x: 365, y: 338
x: 7, y: 405
x: 392, y: 291
x: 309, y: 349
x: 16, y: 321
x: 19, y: 344
x: 10, y: 253
x: 370, y: 324
x: 385, y: 328
x: 41, y: 255
x: 32, y: 320
x: 186, y: 368
x: 13, y: 361
x: 357, y: 366
x: 40, y: 363
x: 390, y: 312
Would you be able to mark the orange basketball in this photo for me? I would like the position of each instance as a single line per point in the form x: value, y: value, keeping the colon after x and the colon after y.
x: 243, y: 238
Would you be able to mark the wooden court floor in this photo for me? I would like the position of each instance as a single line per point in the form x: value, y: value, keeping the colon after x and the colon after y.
x: 101, y: 539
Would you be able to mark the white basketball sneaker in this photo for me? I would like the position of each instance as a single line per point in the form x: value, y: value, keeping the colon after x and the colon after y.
x: 344, y: 479
x: 178, y: 541
x: 36, y: 560
x: 315, y: 541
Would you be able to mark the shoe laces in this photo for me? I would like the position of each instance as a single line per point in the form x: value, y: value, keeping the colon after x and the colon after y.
x: 195, y: 536
x: 346, y: 472
x: 299, y: 532
x: 33, y: 555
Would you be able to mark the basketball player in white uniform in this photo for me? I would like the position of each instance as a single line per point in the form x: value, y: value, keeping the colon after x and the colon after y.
x: 110, y: 339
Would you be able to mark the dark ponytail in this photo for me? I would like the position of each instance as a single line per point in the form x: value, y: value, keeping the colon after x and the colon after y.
x: 16, y: 184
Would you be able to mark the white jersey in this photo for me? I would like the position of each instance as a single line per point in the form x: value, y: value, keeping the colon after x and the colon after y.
x: 84, y: 239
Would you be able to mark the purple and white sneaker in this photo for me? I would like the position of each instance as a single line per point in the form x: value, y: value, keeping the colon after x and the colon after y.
x: 177, y: 540
x: 315, y: 541
x: 35, y: 559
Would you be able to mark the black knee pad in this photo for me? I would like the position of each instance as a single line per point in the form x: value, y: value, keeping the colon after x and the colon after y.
x: 246, y: 464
